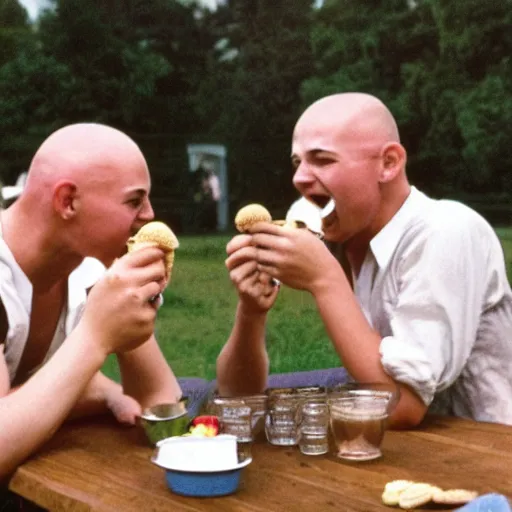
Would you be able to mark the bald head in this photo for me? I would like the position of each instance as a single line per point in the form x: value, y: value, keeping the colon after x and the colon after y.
x: 87, y: 192
x: 81, y: 152
x: 360, y: 118
x: 346, y: 147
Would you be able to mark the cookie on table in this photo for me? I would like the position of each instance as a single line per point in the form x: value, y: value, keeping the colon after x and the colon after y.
x: 454, y: 497
x: 417, y: 495
x: 392, y: 491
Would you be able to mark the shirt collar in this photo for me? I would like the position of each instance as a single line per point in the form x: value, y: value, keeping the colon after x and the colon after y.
x: 384, y: 243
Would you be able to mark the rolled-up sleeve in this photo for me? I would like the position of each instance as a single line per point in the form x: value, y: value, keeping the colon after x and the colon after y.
x: 434, y: 311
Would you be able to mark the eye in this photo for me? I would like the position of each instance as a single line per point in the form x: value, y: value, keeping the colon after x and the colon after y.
x: 136, y: 202
x: 295, y: 163
x: 321, y: 159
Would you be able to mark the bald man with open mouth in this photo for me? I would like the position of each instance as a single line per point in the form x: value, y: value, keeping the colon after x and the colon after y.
x: 426, y: 304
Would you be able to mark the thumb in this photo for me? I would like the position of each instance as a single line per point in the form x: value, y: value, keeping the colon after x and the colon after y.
x: 125, y: 409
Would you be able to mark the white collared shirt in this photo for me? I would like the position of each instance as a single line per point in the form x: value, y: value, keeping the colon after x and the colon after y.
x: 16, y: 296
x: 434, y: 285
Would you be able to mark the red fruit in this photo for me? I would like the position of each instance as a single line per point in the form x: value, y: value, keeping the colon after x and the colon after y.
x: 212, y: 422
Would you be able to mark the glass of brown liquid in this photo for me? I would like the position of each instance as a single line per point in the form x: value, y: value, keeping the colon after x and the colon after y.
x: 358, y: 418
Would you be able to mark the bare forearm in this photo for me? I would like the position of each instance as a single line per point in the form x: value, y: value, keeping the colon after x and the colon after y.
x: 39, y: 407
x: 242, y: 365
x: 96, y: 397
x: 357, y: 345
x: 147, y: 377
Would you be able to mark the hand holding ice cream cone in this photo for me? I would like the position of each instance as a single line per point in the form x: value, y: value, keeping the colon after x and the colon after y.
x: 156, y: 234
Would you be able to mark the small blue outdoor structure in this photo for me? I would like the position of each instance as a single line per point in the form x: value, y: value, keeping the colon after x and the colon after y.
x: 215, y: 156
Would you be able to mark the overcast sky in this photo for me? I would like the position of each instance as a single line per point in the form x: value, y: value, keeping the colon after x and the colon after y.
x: 33, y: 6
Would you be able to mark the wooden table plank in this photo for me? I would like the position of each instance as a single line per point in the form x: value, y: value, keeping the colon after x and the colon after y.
x: 100, y: 466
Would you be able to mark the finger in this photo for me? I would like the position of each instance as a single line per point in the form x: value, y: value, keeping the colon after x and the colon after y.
x: 153, y: 275
x: 141, y: 257
x: 241, y: 256
x: 148, y: 291
x: 267, y: 257
x: 268, y: 288
x: 272, y: 292
x: 237, y: 243
x: 264, y: 278
x: 125, y: 409
x: 269, y: 241
x: 153, y: 272
x: 243, y: 272
x: 267, y: 227
x: 270, y: 270
x: 250, y: 286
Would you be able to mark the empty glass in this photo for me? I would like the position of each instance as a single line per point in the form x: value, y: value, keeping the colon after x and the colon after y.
x: 282, y: 419
x: 258, y: 405
x: 314, y: 428
x: 235, y: 418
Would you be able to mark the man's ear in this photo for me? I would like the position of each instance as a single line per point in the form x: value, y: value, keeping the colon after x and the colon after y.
x: 65, y: 199
x: 393, y: 161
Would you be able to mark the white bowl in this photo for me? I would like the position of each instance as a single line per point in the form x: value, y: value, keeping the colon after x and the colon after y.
x: 198, y: 454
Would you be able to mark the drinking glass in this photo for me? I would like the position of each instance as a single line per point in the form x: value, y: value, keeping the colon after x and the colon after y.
x: 314, y: 428
x: 258, y: 405
x: 358, y: 418
x: 282, y: 419
x: 235, y: 418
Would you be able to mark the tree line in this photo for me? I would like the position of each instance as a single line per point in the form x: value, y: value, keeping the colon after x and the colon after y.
x: 171, y: 72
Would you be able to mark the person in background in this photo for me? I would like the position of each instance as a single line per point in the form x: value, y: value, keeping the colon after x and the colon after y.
x: 86, y: 193
x: 429, y: 307
x: 210, y: 195
x: 214, y: 184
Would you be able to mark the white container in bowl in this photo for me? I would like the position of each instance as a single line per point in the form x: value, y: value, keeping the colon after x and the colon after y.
x: 217, y: 453
x: 200, y: 466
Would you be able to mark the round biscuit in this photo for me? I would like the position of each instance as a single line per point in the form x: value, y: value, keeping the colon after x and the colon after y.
x: 416, y: 495
x: 454, y: 496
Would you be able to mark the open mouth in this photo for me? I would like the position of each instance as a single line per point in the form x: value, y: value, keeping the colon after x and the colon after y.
x: 325, y: 203
x: 319, y: 200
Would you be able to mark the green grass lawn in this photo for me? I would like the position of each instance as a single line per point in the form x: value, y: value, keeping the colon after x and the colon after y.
x: 199, y: 307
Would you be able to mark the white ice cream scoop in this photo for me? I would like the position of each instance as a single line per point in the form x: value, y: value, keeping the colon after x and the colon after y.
x: 306, y: 212
x: 328, y: 209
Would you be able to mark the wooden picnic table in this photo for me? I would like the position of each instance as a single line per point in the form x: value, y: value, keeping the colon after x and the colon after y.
x: 101, y: 466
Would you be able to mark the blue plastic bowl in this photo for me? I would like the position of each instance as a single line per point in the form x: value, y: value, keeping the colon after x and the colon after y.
x: 188, y: 483
x: 200, y: 466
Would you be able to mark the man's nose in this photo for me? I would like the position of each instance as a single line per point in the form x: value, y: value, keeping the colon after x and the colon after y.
x: 146, y: 212
x: 303, y: 176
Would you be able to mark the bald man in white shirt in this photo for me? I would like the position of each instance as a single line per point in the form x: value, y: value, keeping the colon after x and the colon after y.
x: 86, y: 193
x: 431, y: 306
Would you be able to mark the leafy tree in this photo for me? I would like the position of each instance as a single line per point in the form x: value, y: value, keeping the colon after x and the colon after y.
x: 484, y: 119
x: 15, y: 31
x: 437, y: 65
x: 474, y: 39
x: 12, y: 14
x: 30, y: 108
x: 251, y: 99
x: 115, y: 74
x: 16, y: 36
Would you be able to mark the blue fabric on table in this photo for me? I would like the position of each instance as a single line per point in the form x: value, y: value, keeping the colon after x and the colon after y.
x: 200, y: 390
x: 487, y: 503
x: 327, y: 378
